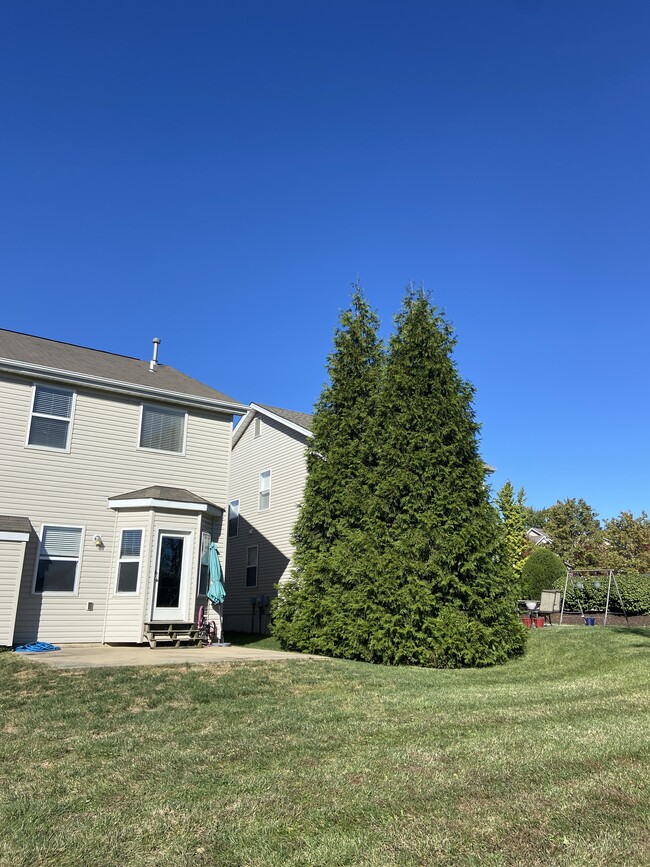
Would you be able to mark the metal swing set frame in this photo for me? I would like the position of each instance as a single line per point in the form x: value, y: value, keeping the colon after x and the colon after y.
x: 574, y: 575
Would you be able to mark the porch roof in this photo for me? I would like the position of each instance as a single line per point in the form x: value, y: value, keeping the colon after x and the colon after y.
x: 163, y: 497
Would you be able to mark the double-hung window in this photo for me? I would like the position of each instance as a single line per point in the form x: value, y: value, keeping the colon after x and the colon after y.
x: 51, y: 419
x: 128, y: 569
x: 57, y: 570
x: 251, y: 566
x: 233, y: 519
x: 162, y: 429
x: 265, y: 490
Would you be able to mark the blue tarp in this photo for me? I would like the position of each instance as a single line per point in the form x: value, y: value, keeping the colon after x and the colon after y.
x: 37, y: 647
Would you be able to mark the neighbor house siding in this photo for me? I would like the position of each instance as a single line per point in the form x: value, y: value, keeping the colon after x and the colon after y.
x: 11, y: 563
x: 72, y: 488
x: 281, y: 450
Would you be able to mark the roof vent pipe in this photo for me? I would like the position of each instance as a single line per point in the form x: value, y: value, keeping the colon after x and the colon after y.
x: 153, y: 364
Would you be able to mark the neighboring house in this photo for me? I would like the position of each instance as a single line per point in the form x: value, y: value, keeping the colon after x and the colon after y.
x: 538, y: 537
x: 114, y: 481
x: 267, y: 479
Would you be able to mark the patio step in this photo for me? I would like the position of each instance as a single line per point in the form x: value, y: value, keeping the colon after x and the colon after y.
x: 174, y: 633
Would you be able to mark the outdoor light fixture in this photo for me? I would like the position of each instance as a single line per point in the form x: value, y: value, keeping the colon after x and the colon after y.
x: 97, y: 539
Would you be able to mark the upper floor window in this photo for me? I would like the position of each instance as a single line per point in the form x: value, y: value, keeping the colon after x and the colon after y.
x: 128, y: 569
x: 58, y: 560
x: 258, y: 426
x: 265, y: 490
x: 233, y: 519
x: 162, y: 429
x: 51, y: 420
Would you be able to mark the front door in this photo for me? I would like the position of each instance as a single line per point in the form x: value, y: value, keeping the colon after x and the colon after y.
x: 171, y: 585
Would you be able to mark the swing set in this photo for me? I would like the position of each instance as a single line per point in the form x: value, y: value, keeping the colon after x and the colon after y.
x: 583, y: 580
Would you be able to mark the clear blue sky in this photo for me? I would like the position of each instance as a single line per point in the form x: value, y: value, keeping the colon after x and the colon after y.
x: 218, y: 174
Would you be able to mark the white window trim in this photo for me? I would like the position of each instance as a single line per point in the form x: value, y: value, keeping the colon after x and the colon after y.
x: 257, y: 567
x: 120, y: 560
x: 70, y: 420
x: 259, y: 492
x: 57, y: 593
x: 234, y: 535
x: 157, y: 406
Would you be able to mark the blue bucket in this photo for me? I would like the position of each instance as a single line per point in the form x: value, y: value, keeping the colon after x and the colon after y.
x: 590, y: 621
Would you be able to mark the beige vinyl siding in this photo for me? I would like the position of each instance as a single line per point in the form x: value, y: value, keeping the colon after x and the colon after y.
x: 281, y: 450
x: 72, y: 488
x: 11, y: 563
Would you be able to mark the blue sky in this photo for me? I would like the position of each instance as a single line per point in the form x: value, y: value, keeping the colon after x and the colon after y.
x: 219, y: 173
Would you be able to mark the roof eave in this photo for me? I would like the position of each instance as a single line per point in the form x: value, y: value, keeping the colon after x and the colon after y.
x: 132, y: 389
x: 174, y: 505
x: 256, y: 408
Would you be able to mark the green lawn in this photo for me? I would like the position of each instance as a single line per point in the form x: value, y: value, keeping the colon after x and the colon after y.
x: 543, y: 761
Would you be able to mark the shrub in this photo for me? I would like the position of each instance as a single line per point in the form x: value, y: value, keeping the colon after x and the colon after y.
x: 543, y: 570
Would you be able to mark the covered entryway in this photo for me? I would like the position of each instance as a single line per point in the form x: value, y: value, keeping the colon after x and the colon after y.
x: 160, y: 532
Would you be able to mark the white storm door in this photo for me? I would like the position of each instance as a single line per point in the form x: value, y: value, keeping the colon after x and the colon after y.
x: 171, y: 582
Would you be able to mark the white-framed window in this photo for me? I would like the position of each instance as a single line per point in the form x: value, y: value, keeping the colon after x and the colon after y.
x: 204, y: 565
x: 233, y: 519
x: 252, y: 554
x: 257, y: 427
x: 265, y: 490
x: 50, y: 424
x: 128, y: 567
x: 162, y: 429
x: 57, y: 566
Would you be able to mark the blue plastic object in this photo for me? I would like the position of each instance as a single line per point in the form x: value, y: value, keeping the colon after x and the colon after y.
x: 37, y: 647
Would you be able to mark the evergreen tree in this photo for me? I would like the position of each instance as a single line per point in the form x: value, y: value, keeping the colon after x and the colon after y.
x: 513, y: 517
x: 397, y: 546
x: 324, y: 609
x: 444, y: 594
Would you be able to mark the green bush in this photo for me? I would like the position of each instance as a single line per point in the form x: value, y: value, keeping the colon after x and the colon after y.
x: 590, y: 592
x: 543, y: 570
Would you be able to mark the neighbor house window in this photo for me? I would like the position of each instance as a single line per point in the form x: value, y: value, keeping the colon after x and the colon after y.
x: 162, y: 429
x: 233, y: 519
x: 258, y: 426
x: 51, y: 419
x: 251, y: 566
x: 204, y: 567
x: 58, y: 560
x: 128, y: 570
x: 265, y: 490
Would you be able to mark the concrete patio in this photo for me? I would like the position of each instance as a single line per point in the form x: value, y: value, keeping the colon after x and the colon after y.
x: 107, y: 656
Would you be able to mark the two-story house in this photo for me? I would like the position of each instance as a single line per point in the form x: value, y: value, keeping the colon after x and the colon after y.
x: 114, y: 480
x: 268, y: 471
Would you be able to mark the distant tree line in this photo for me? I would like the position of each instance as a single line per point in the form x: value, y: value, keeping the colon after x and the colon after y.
x: 578, y: 539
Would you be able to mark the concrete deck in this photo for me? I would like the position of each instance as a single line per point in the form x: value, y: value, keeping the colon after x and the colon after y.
x: 106, y: 656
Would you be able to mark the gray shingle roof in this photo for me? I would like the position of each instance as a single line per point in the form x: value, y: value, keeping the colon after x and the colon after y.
x: 54, y: 355
x: 304, y: 419
x: 161, y: 492
x: 14, y: 524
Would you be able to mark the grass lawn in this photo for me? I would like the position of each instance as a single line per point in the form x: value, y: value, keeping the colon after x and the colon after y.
x: 542, y: 761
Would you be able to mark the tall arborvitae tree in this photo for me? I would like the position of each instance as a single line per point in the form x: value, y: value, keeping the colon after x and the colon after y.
x: 446, y: 599
x: 513, y: 512
x: 324, y: 608
x: 397, y: 546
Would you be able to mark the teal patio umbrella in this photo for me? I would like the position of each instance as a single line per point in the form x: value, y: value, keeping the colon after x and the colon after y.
x: 216, y: 590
